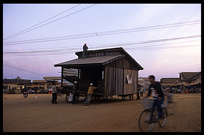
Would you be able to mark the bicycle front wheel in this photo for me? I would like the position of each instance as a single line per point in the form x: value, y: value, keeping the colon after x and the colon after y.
x: 144, y: 121
x: 162, y: 122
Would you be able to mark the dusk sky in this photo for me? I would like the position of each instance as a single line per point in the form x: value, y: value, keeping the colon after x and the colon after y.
x: 139, y: 28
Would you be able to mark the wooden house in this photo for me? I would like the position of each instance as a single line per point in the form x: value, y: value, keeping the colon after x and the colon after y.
x: 113, y: 71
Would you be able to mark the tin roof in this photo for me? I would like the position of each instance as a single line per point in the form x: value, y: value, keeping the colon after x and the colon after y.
x: 169, y: 80
x: 101, y: 60
x: 188, y: 76
x: 16, y: 81
x: 100, y: 57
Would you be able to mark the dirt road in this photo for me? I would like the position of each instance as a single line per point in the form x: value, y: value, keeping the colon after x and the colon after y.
x: 111, y: 115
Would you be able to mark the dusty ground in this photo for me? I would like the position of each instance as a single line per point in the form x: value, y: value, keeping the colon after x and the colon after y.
x: 111, y: 115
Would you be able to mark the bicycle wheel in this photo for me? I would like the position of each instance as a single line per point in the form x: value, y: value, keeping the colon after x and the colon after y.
x: 162, y: 122
x: 144, y: 121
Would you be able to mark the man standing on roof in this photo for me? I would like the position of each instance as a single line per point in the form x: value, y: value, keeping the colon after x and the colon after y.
x: 85, y: 48
x: 89, y: 93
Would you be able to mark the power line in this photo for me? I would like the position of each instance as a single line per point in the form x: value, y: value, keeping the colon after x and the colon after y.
x: 117, y: 44
x: 28, y: 30
x: 139, y: 49
x: 169, y: 47
x: 14, y: 35
x: 101, y: 33
x: 23, y: 70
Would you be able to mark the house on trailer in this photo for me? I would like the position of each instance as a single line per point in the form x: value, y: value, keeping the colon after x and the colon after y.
x: 113, y: 71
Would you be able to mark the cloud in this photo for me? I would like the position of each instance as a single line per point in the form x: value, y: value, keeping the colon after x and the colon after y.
x: 147, y: 15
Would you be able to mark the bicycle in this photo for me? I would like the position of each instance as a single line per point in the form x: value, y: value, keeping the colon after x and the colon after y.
x: 148, y: 118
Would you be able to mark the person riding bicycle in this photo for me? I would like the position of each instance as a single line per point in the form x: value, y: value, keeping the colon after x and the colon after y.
x: 158, y: 95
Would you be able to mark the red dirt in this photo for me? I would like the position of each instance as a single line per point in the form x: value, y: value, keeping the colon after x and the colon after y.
x: 111, y: 115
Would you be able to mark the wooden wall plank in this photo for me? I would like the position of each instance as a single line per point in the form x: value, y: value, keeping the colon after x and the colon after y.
x: 119, y: 81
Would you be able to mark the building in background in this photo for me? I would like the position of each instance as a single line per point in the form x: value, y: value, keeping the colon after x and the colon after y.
x: 187, y: 81
x: 15, y: 85
x: 190, y: 81
x: 167, y: 82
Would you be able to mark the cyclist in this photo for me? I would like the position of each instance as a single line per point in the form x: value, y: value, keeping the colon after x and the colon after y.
x: 158, y: 95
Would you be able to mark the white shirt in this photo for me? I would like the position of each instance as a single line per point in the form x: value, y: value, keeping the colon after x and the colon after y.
x: 54, y: 90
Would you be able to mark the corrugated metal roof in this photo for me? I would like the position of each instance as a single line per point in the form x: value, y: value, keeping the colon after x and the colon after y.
x: 115, y: 50
x: 169, y: 80
x: 189, y: 75
x: 91, y: 61
x: 52, y: 78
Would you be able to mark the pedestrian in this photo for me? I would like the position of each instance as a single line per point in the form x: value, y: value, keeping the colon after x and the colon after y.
x: 54, y: 93
x: 138, y: 93
x: 89, y: 93
x: 144, y: 90
x: 85, y: 48
x: 141, y: 91
x: 75, y: 88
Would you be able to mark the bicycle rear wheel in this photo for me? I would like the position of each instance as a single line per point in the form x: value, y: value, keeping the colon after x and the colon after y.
x: 162, y: 122
x: 144, y: 121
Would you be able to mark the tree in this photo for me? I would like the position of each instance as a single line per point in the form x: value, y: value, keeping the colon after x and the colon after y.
x: 18, y: 77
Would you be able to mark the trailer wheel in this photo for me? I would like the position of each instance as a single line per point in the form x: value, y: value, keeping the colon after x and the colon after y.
x: 131, y: 97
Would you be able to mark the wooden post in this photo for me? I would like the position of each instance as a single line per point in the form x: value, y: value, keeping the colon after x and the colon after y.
x: 62, y: 70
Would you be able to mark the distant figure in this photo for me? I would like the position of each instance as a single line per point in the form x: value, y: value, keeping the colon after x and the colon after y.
x: 138, y: 93
x: 89, y: 93
x: 75, y: 87
x: 144, y: 90
x: 85, y: 48
x: 141, y: 91
x: 54, y: 93
x: 24, y: 90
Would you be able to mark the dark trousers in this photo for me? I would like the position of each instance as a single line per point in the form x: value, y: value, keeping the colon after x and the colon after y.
x: 138, y: 96
x: 141, y: 94
x: 158, y: 103
x: 85, y: 53
x: 54, y: 97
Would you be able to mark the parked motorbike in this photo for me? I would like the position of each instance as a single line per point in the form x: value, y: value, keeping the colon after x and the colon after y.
x: 25, y: 94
